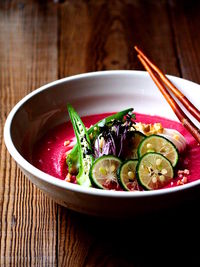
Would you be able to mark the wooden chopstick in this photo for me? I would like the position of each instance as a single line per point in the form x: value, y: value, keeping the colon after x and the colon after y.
x: 183, y: 99
x: 186, y: 122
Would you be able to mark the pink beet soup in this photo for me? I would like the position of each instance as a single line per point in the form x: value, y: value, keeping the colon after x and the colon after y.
x: 49, y: 154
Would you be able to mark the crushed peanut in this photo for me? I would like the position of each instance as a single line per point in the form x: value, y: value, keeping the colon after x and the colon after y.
x: 149, y: 129
x: 182, y: 175
x: 158, y: 127
x: 66, y: 143
x: 139, y: 126
x: 68, y: 177
x: 146, y: 128
x: 186, y: 171
x: 184, y: 180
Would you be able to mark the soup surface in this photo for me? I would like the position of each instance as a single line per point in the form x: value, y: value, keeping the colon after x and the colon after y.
x: 49, y: 154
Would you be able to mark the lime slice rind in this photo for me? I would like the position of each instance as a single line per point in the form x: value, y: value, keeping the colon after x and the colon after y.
x: 150, y: 176
x: 104, y: 171
x: 126, y: 175
x: 159, y: 144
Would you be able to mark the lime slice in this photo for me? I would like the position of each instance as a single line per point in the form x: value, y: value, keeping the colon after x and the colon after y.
x: 159, y: 144
x: 131, y: 152
x: 126, y: 175
x: 154, y: 171
x: 103, y: 172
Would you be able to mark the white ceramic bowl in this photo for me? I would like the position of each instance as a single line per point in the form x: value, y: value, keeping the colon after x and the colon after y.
x: 93, y: 93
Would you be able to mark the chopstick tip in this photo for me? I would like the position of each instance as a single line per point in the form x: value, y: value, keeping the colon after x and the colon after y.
x: 137, y: 49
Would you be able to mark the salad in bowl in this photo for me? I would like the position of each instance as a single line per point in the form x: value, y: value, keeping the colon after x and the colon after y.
x: 119, y: 153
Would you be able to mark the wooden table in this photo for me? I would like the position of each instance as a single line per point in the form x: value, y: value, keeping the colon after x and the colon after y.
x: 41, y: 41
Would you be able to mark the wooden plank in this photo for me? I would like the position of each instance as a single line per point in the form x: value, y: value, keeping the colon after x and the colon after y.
x: 28, y: 59
x: 186, y: 21
x: 116, y: 30
x: 100, y: 35
x: 74, y: 29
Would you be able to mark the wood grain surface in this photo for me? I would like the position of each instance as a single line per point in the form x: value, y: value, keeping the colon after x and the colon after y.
x: 41, y: 41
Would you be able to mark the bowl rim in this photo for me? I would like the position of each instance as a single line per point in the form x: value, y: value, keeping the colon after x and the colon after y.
x: 28, y: 167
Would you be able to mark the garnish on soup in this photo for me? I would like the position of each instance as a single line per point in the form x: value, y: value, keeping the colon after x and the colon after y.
x: 119, y: 153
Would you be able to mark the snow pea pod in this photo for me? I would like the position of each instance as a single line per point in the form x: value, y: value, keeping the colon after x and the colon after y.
x: 83, y: 148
